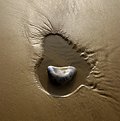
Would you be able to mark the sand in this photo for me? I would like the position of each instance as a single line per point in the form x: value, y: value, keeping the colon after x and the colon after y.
x: 90, y: 26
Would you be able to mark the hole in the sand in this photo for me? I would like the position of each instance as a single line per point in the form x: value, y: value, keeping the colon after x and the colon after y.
x: 59, y: 52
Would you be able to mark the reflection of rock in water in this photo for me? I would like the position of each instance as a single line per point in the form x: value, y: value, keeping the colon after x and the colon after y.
x: 59, y: 52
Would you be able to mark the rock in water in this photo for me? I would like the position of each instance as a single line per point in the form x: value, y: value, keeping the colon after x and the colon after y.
x: 61, y: 75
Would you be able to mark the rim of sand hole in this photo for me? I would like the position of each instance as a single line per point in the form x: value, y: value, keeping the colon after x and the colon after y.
x: 37, y: 77
x: 61, y: 96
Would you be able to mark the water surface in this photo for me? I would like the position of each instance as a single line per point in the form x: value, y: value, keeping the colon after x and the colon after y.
x: 59, y: 52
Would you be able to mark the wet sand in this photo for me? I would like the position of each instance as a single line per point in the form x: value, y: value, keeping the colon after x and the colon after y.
x: 93, y: 25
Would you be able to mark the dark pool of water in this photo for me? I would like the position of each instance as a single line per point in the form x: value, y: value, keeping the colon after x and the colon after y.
x: 59, y: 52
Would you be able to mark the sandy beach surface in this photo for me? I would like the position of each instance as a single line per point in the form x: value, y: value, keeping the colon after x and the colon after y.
x: 36, y: 34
